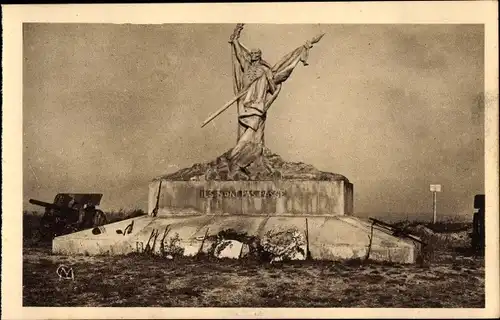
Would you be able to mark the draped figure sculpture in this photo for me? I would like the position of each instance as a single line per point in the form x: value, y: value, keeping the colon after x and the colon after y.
x: 256, y: 85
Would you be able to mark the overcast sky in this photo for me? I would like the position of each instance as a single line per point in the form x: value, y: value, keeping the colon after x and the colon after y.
x: 394, y: 108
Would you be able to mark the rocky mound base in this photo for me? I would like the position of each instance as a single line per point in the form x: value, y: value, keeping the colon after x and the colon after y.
x: 271, y: 167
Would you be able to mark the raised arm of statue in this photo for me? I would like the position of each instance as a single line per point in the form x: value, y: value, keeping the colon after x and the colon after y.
x: 241, y: 53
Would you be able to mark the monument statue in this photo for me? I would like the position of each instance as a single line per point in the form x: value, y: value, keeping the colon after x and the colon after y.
x: 256, y: 85
x: 249, y: 202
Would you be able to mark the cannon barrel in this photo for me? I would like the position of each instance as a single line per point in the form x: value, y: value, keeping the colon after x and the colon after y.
x: 396, y: 231
x: 46, y: 204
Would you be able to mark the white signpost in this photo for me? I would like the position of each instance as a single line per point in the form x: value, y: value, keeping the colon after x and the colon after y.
x: 435, y: 188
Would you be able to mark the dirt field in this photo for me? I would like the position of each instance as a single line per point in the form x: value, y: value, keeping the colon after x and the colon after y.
x: 452, y: 280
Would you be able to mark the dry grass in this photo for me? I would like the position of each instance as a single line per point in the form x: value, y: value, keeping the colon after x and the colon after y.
x: 452, y: 279
x: 135, y: 281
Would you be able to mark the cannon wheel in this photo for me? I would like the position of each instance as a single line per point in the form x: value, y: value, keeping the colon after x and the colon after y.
x: 51, y: 226
x: 100, y: 218
x: 46, y: 228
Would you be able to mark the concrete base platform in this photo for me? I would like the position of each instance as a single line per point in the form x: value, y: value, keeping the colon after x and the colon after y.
x: 319, y: 237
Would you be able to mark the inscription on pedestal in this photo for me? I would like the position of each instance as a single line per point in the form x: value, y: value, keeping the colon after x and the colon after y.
x: 252, y: 197
x: 241, y: 193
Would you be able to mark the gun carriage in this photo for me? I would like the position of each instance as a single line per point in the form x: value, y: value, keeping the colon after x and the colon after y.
x: 69, y: 213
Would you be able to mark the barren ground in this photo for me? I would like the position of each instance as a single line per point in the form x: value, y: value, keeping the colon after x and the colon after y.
x: 452, y: 280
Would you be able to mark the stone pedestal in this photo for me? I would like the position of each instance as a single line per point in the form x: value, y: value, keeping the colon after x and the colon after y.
x: 280, y: 197
x: 313, y: 209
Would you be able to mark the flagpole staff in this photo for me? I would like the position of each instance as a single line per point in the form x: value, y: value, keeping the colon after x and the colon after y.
x: 224, y: 107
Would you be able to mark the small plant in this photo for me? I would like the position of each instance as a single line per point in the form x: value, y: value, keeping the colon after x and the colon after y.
x: 283, y: 245
x: 427, y: 251
x: 275, y: 245
x: 172, y: 248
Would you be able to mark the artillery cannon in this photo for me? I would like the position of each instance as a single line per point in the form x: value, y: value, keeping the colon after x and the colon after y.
x: 69, y: 213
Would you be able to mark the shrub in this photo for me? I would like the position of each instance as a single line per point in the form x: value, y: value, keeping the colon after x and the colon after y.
x: 284, y: 245
x: 172, y: 248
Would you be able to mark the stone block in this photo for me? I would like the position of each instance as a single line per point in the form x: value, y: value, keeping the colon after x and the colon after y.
x: 279, y: 197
